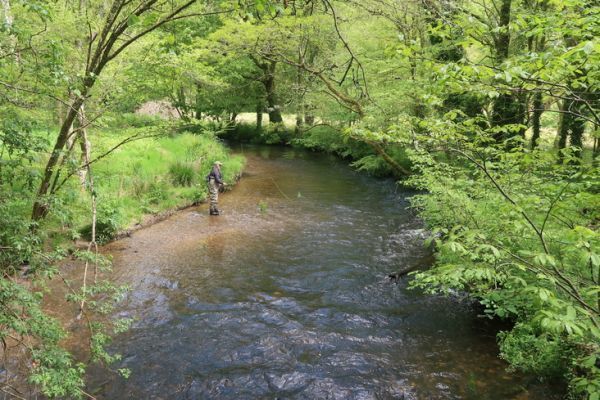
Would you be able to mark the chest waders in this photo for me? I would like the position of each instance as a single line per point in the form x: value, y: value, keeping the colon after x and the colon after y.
x: 213, y: 191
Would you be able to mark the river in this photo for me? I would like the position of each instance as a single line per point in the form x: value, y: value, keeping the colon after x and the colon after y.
x: 286, y: 295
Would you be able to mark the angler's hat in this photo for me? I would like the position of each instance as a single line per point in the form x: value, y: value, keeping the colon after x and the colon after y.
x: 218, y: 163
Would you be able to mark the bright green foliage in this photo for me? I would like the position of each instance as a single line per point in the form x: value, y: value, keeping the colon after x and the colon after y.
x: 22, y: 319
x: 540, y: 354
x: 517, y: 231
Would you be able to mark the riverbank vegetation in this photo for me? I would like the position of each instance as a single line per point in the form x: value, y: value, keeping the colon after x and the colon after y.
x: 148, y: 177
x: 491, y: 108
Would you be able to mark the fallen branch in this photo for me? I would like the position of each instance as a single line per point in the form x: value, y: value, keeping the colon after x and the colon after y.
x: 396, y: 276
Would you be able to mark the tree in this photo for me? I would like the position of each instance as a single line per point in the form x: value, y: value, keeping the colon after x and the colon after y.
x: 125, y: 23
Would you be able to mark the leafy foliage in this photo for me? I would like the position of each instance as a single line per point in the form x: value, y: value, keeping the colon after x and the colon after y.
x: 519, y: 232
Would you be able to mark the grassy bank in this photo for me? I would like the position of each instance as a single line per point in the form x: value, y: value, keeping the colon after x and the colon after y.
x: 322, y: 138
x: 139, y: 179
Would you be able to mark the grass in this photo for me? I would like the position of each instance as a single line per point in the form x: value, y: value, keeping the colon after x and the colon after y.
x: 148, y: 176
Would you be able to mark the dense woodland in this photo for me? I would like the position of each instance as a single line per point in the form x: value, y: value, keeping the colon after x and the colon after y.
x: 489, y: 108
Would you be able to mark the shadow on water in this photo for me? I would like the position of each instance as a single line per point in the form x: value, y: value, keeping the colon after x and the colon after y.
x: 286, y: 295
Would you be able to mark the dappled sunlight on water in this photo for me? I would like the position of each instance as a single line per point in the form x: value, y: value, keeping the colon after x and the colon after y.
x: 286, y: 295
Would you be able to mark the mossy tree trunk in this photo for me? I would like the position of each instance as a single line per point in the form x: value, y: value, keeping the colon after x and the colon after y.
x: 538, y: 109
x: 572, y: 126
x: 274, y: 108
x: 198, y: 103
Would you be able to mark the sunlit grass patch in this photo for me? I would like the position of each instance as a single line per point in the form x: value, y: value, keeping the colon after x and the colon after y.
x: 147, y: 176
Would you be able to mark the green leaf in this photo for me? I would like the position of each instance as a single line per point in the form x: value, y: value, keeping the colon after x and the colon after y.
x: 595, y: 259
x: 589, y: 361
x: 588, y: 48
x: 493, y: 94
x: 132, y: 20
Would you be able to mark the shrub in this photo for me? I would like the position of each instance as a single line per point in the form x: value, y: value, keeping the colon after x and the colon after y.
x: 269, y: 134
x: 157, y: 192
x: 108, y: 223
x: 544, y: 355
x: 182, y: 173
x: 244, y: 133
x: 199, y: 194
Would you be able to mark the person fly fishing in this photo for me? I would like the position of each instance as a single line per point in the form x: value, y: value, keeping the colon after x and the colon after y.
x: 215, y: 181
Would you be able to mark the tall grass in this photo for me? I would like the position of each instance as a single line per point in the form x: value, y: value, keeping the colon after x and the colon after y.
x: 182, y: 173
x: 146, y: 176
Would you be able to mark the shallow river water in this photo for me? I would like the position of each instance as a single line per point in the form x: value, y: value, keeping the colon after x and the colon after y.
x: 286, y: 295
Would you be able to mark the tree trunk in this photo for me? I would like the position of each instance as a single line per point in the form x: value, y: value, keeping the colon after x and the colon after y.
x: 508, y: 107
x: 8, y: 25
x: 538, y: 104
x: 85, y: 146
x: 300, y: 118
x: 538, y: 109
x: 8, y: 18
x: 273, y: 109
x: 577, y: 130
x: 198, y: 105
x: 40, y: 206
x: 299, y: 123
x: 66, y: 156
x: 398, y: 169
x: 596, y: 150
x: 300, y: 109
x: 563, y: 129
x: 181, y: 104
x: 502, y: 40
x: 259, y: 117
x: 572, y: 125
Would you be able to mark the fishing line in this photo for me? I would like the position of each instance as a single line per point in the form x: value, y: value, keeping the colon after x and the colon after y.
x: 278, y: 188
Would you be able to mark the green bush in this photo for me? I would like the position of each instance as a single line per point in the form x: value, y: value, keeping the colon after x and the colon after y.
x: 247, y: 133
x: 157, y: 192
x: 199, y: 194
x: 182, y: 173
x: 241, y: 133
x: 545, y: 355
x: 331, y: 140
x: 108, y: 223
